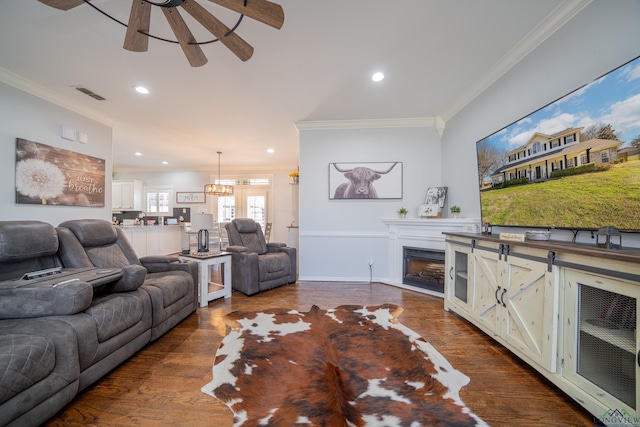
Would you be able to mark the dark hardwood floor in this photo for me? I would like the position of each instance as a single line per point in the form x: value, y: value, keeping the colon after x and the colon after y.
x: 160, y: 386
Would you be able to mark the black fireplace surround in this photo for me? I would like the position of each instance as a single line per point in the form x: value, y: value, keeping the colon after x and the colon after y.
x: 423, y: 268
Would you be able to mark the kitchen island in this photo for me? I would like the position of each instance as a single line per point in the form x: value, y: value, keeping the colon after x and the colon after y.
x: 154, y: 239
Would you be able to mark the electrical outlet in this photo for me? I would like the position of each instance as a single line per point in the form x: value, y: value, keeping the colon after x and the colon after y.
x: 370, y: 262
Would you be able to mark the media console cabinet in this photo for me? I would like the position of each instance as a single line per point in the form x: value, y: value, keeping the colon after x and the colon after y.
x: 568, y: 310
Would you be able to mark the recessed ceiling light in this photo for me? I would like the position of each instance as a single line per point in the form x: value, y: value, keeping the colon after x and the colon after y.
x: 270, y: 150
x: 165, y: 163
x: 137, y: 153
x: 141, y: 89
x: 377, y: 77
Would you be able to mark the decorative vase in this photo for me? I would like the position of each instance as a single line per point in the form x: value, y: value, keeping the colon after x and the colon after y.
x: 296, y: 179
x: 402, y: 215
x: 455, y: 215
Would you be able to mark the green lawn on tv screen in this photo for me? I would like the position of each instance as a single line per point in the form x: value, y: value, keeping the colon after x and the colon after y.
x: 591, y: 200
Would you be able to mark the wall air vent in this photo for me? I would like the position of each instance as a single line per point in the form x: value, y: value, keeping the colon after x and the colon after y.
x: 90, y: 93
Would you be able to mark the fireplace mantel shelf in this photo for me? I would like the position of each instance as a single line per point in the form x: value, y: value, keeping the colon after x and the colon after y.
x: 431, y: 222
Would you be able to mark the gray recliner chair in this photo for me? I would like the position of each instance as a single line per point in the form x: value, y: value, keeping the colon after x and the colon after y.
x: 257, y: 265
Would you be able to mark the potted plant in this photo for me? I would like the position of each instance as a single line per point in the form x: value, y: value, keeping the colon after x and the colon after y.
x: 295, y: 176
x: 402, y: 212
x: 455, y: 211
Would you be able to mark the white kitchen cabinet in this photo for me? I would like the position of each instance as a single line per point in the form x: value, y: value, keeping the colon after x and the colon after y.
x: 568, y: 310
x: 154, y: 240
x: 126, y: 195
x: 137, y: 237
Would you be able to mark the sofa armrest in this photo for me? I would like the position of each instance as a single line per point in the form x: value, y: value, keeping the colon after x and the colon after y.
x: 132, y: 278
x: 159, y: 259
x: 53, y: 298
x: 273, y: 246
x: 160, y: 264
x: 245, y: 274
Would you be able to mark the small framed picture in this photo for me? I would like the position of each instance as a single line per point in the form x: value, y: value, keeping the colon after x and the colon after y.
x: 436, y: 196
x: 190, y: 197
x: 431, y: 210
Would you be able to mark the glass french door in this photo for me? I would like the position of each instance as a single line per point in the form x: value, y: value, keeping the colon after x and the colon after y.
x: 245, y: 203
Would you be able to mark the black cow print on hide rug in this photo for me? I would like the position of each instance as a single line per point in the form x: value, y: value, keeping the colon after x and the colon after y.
x: 348, y: 366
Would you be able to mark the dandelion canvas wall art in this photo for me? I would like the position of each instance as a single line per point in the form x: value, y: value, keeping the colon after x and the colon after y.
x: 48, y: 175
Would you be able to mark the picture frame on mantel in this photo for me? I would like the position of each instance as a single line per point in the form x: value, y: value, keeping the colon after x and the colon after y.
x: 191, y: 197
x: 433, y: 203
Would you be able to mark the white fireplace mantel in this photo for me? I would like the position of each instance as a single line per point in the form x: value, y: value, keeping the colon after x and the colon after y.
x: 420, y: 233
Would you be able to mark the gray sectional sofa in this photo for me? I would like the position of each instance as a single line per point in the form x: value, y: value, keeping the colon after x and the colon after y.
x: 75, y: 302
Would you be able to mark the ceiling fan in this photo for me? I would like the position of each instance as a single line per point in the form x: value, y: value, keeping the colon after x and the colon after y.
x: 137, y: 36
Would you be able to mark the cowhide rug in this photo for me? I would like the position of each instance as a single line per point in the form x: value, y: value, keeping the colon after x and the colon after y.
x: 348, y: 366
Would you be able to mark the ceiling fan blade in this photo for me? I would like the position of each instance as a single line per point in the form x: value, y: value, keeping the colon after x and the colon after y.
x: 62, y: 4
x: 261, y: 10
x: 193, y: 52
x: 139, y: 20
x: 235, y: 43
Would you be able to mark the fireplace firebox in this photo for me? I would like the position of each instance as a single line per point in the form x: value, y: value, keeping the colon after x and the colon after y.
x: 424, y: 268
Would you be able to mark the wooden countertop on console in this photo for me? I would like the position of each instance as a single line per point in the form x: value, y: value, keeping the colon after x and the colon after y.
x: 624, y: 254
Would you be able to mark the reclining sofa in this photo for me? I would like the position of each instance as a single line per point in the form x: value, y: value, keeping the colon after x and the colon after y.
x: 75, y: 302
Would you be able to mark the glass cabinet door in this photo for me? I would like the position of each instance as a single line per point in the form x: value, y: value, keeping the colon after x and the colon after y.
x: 602, y: 345
x: 457, y: 289
x: 461, y: 281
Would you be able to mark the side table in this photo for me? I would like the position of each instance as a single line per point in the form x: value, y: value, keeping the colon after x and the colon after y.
x: 205, y: 260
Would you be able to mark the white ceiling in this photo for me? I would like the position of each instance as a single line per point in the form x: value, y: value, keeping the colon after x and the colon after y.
x: 437, y: 55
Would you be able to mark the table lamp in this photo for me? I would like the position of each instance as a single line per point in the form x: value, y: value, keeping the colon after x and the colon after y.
x: 203, y: 223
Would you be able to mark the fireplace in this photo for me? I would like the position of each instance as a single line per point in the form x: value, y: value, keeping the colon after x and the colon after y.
x: 424, y: 268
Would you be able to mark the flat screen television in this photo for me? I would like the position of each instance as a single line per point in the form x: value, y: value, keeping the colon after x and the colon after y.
x: 573, y: 164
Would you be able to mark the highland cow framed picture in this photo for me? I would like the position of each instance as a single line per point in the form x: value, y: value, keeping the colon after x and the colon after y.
x: 47, y: 175
x: 379, y: 180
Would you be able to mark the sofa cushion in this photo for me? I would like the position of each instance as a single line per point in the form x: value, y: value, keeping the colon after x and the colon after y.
x: 26, y: 239
x: 173, y: 286
x: 107, y: 256
x: 274, y: 265
x: 115, y: 313
x: 250, y: 235
x: 24, y: 360
x: 92, y: 232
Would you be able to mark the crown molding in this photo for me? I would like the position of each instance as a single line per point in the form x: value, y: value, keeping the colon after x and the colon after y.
x: 434, y: 123
x: 34, y: 89
x: 541, y: 32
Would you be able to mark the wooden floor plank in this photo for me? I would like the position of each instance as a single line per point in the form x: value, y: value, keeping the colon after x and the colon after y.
x: 160, y: 385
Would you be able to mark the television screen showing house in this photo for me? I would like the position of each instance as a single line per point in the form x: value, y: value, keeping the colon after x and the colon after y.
x: 572, y: 164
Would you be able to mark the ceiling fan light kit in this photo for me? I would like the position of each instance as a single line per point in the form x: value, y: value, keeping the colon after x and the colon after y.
x: 139, y: 25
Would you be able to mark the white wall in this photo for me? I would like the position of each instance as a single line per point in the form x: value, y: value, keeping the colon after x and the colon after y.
x: 600, y: 38
x: 280, y: 212
x: 26, y: 116
x: 338, y: 237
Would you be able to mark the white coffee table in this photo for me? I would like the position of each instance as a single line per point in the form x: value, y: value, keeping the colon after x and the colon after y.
x: 205, y: 261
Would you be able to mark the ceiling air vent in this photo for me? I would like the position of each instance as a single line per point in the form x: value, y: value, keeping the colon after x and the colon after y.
x: 90, y: 93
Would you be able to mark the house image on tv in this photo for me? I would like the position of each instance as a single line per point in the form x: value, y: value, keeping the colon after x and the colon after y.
x: 543, y: 154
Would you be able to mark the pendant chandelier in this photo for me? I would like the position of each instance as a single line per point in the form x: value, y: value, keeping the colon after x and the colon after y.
x: 218, y: 189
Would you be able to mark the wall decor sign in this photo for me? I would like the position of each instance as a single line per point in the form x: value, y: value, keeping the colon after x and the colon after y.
x: 48, y: 175
x: 190, y: 197
x: 379, y: 180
